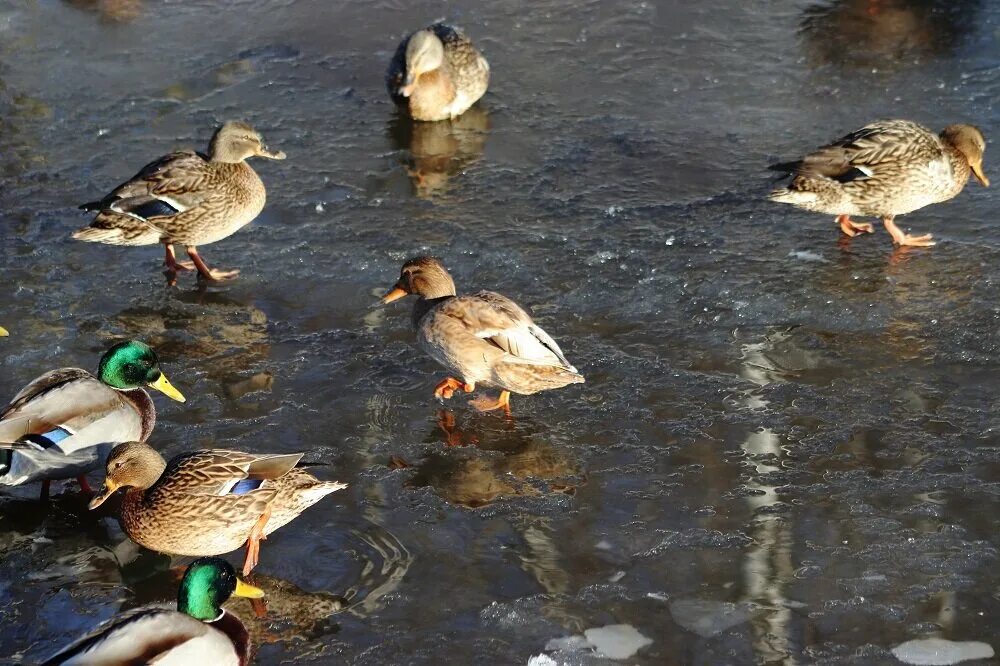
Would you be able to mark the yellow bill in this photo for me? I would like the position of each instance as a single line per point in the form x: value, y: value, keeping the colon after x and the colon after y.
x: 247, y: 590
x: 977, y: 170
x: 394, y: 295
x: 3, y: 332
x: 164, y: 386
x: 107, y: 491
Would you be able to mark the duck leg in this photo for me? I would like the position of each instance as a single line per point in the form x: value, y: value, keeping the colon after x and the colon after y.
x: 447, y: 387
x: 170, y: 261
x: 253, y: 542
x: 486, y: 405
x: 84, y: 486
x: 852, y: 228
x: 903, y: 239
x: 205, y: 271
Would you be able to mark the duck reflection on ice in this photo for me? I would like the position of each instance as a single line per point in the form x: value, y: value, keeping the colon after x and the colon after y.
x: 110, y: 11
x: 226, y: 336
x: 439, y: 150
x: 884, y: 33
x: 472, y: 478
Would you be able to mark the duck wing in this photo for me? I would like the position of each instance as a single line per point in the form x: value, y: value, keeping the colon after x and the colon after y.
x: 167, y: 186
x: 220, y: 472
x: 142, y: 636
x: 502, y: 323
x: 868, y: 152
x: 69, y: 409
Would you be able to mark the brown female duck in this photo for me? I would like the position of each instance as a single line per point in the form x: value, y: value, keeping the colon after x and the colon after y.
x: 436, y: 73
x: 186, y: 198
x: 888, y: 168
x: 208, y: 502
x: 482, y: 338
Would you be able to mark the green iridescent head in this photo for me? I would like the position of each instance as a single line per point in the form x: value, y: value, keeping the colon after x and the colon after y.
x: 133, y: 364
x: 208, y: 583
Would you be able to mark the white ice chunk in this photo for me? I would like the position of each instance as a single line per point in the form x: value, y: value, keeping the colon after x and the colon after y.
x: 542, y: 660
x: 940, y: 652
x: 617, y: 641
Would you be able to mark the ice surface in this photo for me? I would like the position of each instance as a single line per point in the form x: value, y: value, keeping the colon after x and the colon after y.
x: 708, y: 618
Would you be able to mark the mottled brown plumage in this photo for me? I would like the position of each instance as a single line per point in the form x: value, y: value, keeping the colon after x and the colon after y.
x: 887, y: 168
x: 195, y: 505
x: 483, y: 338
x: 186, y: 198
x: 436, y: 73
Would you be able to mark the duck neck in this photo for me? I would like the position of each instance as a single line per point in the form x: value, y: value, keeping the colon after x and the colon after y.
x: 143, y: 404
x: 959, y: 167
x: 425, y: 305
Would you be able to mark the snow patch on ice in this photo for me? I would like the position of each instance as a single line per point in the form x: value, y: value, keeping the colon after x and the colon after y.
x: 940, y: 652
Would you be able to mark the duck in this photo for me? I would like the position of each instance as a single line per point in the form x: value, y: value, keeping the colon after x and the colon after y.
x: 481, y: 339
x: 200, y: 631
x: 186, y: 198
x: 885, y: 169
x: 208, y: 502
x: 64, y: 423
x: 437, y: 74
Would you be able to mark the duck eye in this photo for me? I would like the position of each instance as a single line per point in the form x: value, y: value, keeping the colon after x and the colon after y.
x: 118, y: 465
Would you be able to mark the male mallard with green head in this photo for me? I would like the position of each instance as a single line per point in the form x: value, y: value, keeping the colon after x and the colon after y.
x: 436, y: 73
x: 888, y: 168
x: 482, y: 338
x: 198, y: 632
x: 63, y: 424
x: 186, y: 198
x: 208, y: 502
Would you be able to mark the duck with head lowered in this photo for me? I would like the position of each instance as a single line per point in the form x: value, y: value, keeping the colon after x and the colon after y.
x: 198, y: 632
x: 885, y: 169
x: 482, y: 338
x: 436, y: 73
x: 186, y: 198
x: 63, y: 424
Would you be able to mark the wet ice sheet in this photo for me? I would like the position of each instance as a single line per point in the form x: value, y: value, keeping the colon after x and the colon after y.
x: 771, y: 417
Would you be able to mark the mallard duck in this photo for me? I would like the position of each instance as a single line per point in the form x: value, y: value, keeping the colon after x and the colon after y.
x: 187, y: 198
x: 436, y: 73
x: 888, y: 168
x: 63, y: 424
x: 198, y: 632
x: 208, y: 502
x: 483, y: 338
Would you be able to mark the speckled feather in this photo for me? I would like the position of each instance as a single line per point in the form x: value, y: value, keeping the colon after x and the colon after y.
x: 486, y: 338
x: 887, y: 168
x: 465, y: 71
x: 188, y: 511
x: 213, y: 200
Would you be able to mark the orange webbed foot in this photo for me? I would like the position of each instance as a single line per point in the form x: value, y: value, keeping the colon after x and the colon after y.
x: 488, y: 405
x: 447, y: 387
x: 850, y: 228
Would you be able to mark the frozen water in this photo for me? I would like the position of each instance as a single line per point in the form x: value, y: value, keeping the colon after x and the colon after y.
x: 787, y: 423
x: 708, y: 618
